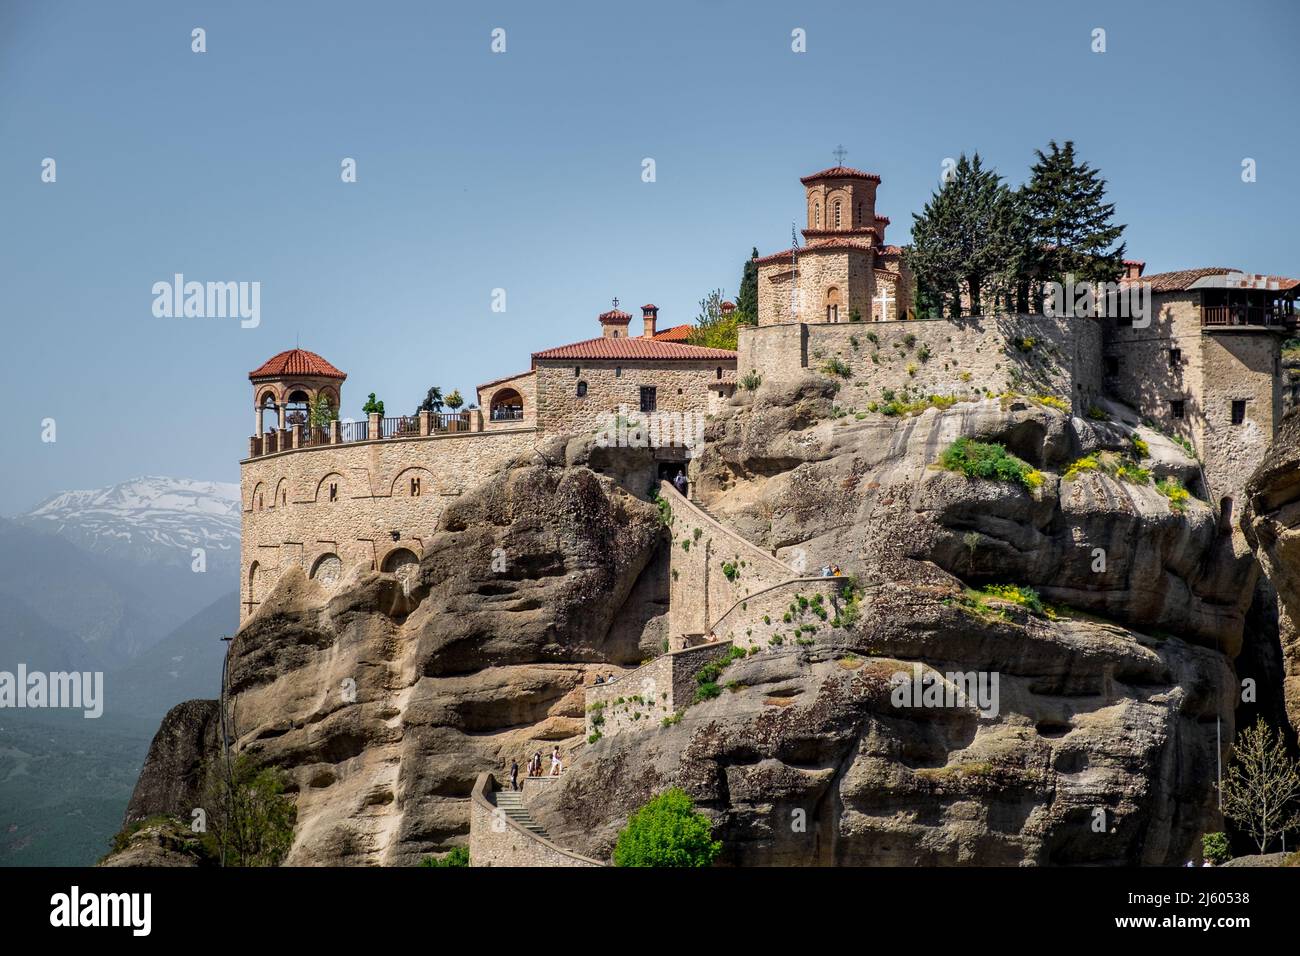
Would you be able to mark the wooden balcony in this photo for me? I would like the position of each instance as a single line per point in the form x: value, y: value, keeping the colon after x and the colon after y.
x: 1217, y: 316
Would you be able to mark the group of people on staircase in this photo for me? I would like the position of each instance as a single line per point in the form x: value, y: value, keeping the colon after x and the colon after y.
x: 535, y: 766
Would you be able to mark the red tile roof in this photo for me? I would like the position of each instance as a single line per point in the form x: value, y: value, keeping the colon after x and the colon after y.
x: 506, y: 378
x: 819, y: 245
x: 296, y: 362
x: 678, y: 333
x: 634, y: 349
x: 1184, y: 279
x: 839, y: 172
x: 615, y: 316
x: 1181, y: 280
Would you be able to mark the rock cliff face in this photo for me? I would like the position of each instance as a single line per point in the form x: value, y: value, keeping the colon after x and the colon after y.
x: 1272, y: 525
x: 1104, y: 746
x: 383, y: 701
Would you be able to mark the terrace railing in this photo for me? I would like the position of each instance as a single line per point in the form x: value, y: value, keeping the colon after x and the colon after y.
x: 1220, y: 315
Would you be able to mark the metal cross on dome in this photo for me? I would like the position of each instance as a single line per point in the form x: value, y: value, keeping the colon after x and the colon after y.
x: 616, y: 302
x: 839, y: 153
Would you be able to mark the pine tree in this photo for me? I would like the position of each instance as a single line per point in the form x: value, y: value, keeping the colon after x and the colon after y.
x: 1071, y: 224
x: 747, y: 299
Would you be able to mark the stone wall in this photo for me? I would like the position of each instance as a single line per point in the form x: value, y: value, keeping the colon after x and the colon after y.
x: 1028, y: 354
x: 496, y: 840
x: 642, y: 698
x: 767, y: 618
x: 1207, y: 372
x: 847, y: 270
x: 526, y: 385
x: 700, y: 588
x: 332, y: 507
x: 1238, y: 366
x: 680, y: 387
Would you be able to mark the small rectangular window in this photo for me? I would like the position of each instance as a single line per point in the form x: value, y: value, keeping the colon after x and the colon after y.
x: 334, y: 492
x: 577, y: 371
x: 647, y: 398
x: 618, y: 371
x: 1112, y: 365
x: 1176, y: 408
x: 1239, y: 411
x: 415, y: 487
x: 1175, y: 358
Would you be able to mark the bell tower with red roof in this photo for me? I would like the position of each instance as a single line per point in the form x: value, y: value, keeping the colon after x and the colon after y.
x: 288, y: 385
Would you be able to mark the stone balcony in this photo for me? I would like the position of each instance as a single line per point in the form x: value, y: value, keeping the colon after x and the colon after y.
x: 375, y: 428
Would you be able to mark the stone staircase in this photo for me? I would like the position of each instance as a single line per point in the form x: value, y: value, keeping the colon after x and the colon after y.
x: 511, y: 802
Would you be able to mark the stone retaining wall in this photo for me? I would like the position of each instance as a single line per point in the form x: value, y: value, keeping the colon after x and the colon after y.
x: 644, y: 697
x: 760, y: 619
x: 1027, y: 354
x: 710, y: 569
x: 496, y: 840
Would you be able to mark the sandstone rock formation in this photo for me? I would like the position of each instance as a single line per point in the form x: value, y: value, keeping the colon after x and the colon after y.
x: 383, y: 700
x: 1272, y: 525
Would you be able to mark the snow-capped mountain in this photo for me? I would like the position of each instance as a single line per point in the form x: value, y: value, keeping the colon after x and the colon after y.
x: 151, y: 520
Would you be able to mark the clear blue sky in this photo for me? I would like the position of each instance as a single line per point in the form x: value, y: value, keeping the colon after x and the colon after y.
x: 522, y: 170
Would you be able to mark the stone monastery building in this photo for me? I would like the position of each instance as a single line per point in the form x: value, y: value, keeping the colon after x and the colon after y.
x: 328, y: 497
x: 334, y: 495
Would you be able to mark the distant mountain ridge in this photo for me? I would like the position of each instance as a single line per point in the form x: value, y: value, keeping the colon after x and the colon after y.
x: 148, y: 520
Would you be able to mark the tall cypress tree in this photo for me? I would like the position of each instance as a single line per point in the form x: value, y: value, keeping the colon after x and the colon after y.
x: 1072, y: 227
x: 960, y: 238
x: 747, y: 299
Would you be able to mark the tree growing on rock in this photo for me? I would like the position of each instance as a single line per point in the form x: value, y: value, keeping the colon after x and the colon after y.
x: 1262, y: 791
x: 250, y: 820
x: 667, y: 831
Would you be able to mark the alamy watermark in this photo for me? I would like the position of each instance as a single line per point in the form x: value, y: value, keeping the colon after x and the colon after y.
x: 208, y: 300
x: 1116, y: 300
x: 73, y: 690
x: 955, y: 689
x: 625, y: 429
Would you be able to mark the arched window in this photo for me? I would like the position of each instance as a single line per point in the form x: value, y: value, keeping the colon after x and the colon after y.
x: 507, y: 405
x: 719, y: 371
x: 327, y: 569
x: 832, y: 304
x: 582, y: 389
x: 837, y: 214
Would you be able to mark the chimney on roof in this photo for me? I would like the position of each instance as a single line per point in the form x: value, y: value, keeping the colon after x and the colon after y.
x: 1133, y: 268
x: 649, y: 316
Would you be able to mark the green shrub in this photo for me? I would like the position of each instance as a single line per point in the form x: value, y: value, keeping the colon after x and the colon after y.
x: 667, y: 831
x: 1097, y: 415
x: 751, y: 381
x: 1015, y: 594
x: 989, y: 460
x: 1142, y: 448
x: 836, y: 366
x: 1173, y: 489
x: 1214, y: 847
x: 459, y: 856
